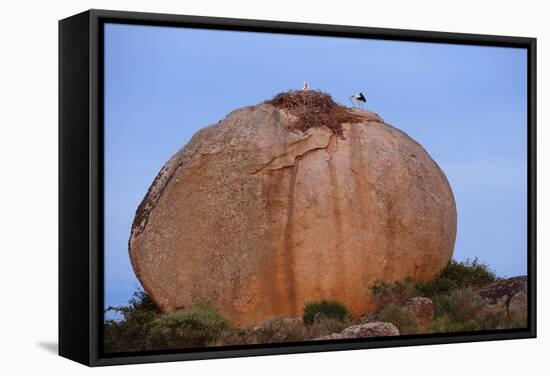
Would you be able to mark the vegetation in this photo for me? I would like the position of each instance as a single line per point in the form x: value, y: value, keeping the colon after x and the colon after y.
x: 143, y: 327
x: 457, y: 305
x: 458, y: 275
x: 463, y: 310
x: 324, y: 309
x: 130, y: 333
x: 457, y: 308
x: 197, y: 326
x: 395, y: 293
x: 464, y: 305
x: 402, y: 319
x: 324, y: 326
x: 280, y: 329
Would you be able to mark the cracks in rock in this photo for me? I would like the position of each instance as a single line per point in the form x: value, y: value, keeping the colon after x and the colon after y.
x: 381, y: 148
x: 288, y: 240
x: 265, y: 165
x: 296, y: 157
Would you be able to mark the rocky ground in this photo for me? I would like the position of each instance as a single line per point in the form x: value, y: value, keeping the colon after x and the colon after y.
x: 506, y: 296
x: 466, y: 297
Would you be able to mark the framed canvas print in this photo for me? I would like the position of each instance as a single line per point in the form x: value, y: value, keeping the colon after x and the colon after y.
x: 236, y: 187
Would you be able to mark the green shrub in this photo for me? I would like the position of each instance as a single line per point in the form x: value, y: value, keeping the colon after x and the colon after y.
x: 439, y: 286
x: 130, y: 333
x: 458, y: 275
x: 469, y: 273
x: 140, y: 302
x: 196, y: 326
x: 327, y: 309
x: 441, y: 305
x: 397, y: 292
x: 465, y: 305
x: 402, y: 319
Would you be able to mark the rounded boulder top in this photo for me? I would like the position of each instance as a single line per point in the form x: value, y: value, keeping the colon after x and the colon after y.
x: 293, y: 200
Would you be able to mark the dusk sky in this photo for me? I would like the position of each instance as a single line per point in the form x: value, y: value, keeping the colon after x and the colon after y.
x: 467, y: 105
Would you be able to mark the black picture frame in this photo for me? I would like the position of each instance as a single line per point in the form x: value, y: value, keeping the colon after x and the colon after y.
x: 81, y: 184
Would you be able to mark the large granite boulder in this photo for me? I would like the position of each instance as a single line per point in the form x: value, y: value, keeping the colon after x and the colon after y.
x: 259, y: 215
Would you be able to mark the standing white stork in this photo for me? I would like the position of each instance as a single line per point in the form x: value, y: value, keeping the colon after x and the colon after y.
x: 306, y: 87
x: 358, y: 99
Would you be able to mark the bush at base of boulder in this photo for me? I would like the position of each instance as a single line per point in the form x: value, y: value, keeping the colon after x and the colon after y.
x: 458, y: 275
x: 199, y: 325
x: 328, y: 309
x: 397, y: 292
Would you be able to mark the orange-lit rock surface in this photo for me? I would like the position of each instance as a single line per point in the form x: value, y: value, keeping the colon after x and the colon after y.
x: 260, y: 219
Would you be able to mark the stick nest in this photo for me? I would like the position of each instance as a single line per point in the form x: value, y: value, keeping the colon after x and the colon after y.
x: 314, y: 109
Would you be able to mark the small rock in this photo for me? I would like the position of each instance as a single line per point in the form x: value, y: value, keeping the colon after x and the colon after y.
x: 518, y: 303
x: 371, y: 329
x: 422, y: 309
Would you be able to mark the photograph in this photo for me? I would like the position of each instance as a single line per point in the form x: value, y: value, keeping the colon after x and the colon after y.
x: 209, y: 187
x: 264, y: 188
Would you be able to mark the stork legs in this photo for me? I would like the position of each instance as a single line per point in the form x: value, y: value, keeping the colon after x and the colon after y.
x: 356, y: 104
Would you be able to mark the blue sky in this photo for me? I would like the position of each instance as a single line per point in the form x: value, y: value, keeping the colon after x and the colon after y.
x: 467, y: 105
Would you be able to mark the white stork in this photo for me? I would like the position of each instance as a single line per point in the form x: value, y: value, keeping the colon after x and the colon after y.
x: 306, y: 87
x: 358, y: 99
